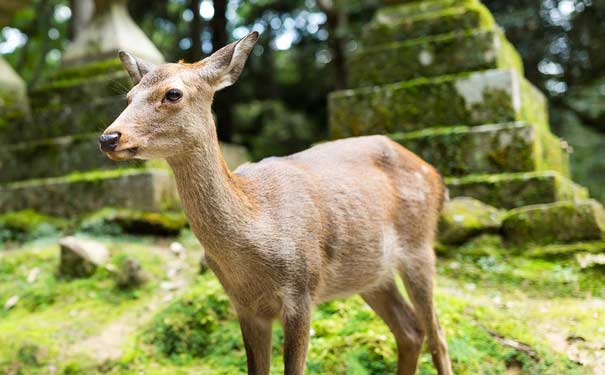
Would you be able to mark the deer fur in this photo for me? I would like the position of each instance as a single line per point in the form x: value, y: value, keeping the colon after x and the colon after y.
x: 285, y: 234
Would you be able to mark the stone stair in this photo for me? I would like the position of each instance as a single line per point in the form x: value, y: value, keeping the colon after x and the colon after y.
x: 440, y: 78
x: 51, y: 162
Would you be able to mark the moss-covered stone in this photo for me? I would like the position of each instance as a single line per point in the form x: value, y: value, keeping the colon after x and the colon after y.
x: 463, y: 218
x: 135, y: 222
x: 28, y: 224
x: 409, y: 22
x: 567, y: 221
x: 55, y: 157
x: 148, y: 190
x: 492, y: 96
x: 498, y: 148
x: 472, y: 50
x: 512, y: 190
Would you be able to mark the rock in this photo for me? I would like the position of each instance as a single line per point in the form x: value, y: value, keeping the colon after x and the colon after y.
x: 130, y: 274
x: 33, y: 275
x: 80, y: 257
x: 177, y: 249
x: 587, y: 260
x: 122, y: 220
x: 560, y: 222
x: 11, y: 302
x: 463, y: 218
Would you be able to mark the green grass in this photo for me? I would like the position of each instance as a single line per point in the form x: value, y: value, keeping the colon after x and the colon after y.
x: 483, y: 294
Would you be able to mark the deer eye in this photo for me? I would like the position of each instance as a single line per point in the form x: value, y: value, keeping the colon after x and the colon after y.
x: 173, y: 95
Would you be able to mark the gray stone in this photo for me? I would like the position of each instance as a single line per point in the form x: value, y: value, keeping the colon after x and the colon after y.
x: 81, y: 257
x: 110, y: 30
x: 131, y: 274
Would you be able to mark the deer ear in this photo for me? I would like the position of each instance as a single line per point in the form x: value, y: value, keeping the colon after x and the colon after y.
x: 135, y: 67
x: 224, y: 66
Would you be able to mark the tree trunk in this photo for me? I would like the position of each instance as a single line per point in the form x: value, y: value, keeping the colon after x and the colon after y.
x: 336, y: 22
x: 195, y: 52
x: 223, y: 101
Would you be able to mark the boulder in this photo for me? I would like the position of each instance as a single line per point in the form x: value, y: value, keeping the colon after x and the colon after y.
x: 81, y: 257
x: 130, y: 274
x: 560, y: 222
x: 464, y: 217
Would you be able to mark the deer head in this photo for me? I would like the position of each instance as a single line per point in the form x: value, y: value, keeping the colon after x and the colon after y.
x: 169, y: 108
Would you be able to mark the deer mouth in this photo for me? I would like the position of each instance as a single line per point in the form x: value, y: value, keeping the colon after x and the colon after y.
x: 124, y: 154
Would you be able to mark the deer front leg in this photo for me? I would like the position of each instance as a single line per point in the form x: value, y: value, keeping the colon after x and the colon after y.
x: 257, y: 340
x: 296, y: 323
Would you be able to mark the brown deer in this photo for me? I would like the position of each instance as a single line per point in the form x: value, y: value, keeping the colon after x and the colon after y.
x: 285, y: 234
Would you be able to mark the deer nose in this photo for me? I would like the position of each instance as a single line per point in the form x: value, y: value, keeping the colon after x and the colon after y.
x: 109, y: 142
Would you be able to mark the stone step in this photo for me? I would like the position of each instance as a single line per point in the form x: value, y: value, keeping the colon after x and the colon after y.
x: 487, y: 97
x: 487, y: 149
x: 63, y: 155
x: 473, y: 50
x: 140, y: 189
x: 76, y: 101
x: 397, y: 23
x: 511, y: 190
x: 560, y: 222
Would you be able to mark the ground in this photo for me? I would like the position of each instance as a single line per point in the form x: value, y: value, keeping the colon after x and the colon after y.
x: 503, y: 314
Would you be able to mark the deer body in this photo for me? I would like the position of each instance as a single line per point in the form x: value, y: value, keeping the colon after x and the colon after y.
x: 285, y: 234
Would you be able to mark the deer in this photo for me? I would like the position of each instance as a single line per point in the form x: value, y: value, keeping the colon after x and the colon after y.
x: 287, y: 233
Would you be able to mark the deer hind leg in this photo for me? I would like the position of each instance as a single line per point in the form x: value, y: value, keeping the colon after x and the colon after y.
x: 389, y: 304
x: 418, y: 273
x: 257, y: 341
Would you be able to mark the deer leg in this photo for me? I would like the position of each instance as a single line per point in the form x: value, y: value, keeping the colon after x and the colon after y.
x: 257, y: 340
x: 389, y: 304
x: 296, y: 325
x: 418, y: 275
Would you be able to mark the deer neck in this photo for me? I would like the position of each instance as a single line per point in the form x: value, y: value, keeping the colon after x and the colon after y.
x: 213, y: 198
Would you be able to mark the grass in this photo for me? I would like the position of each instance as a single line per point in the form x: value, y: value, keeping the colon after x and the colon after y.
x: 484, y: 298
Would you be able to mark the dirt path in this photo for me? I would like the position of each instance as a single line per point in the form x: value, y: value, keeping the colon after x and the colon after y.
x: 110, y: 343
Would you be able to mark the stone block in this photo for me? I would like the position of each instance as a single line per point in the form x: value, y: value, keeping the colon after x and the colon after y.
x: 79, y: 153
x: 55, y: 157
x: 560, y: 222
x: 463, y: 218
x: 511, y: 190
x: 472, y: 50
x: 139, y: 189
x: 487, y: 97
x: 81, y: 257
x: 412, y: 21
x: 487, y: 149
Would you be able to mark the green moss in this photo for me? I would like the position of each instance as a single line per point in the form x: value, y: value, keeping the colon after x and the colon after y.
x: 510, y: 190
x: 462, y: 150
x: 398, y: 9
x: 470, y: 98
x: 135, y: 222
x: 390, y: 26
x: 28, y: 224
x: 463, y: 218
x: 450, y: 53
x: 87, y: 70
x: 566, y: 221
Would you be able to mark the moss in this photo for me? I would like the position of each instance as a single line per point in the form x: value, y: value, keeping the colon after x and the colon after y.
x: 463, y: 218
x: 468, y: 98
x: 140, y: 189
x: 28, y: 224
x: 566, y: 221
x: 462, y: 150
x: 390, y: 28
x: 450, y: 53
x: 558, y: 250
x: 398, y: 9
x: 87, y: 70
x: 510, y: 190
x: 135, y: 222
